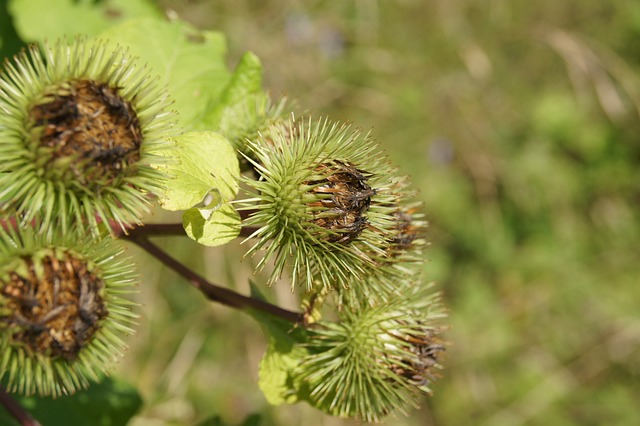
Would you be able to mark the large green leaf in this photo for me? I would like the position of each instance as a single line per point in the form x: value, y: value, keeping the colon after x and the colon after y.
x: 205, y: 166
x: 190, y: 62
x: 110, y: 403
x: 37, y: 20
x: 245, y: 82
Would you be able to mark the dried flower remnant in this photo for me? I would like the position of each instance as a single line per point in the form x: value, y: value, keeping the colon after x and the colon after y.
x: 88, y: 121
x: 343, y: 200
x: 55, y: 314
x: 407, y: 232
x: 407, y: 240
x: 422, y: 368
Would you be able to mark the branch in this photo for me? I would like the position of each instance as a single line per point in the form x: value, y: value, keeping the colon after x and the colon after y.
x: 16, y: 410
x: 155, y: 229
x: 213, y: 292
x: 168, y: 230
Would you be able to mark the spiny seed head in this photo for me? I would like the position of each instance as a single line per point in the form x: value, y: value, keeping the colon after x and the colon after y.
x: 62, y: 317
x: 81, y: 132
x: 324, y: 203
x: 375, y: 359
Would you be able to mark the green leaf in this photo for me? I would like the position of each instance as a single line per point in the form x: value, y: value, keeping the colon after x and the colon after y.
x: 245, y: 81
x: 285, y: 351
x: 110, y: 403
x: 213, y: 225
x: 37, y: 20
x: 277, y: 369
x: 189, y: 61
x: 10, y: 43
x: 206, y: 165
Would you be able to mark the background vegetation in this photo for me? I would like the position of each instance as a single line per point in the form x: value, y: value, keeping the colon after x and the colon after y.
x: 519, y: 124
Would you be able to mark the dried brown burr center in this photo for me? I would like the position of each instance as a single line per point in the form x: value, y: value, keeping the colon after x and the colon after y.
x: 57, y: 312
x: 420, y: 369
x: 406, y: 234
x: 344, y: 200
x: 90, y: 123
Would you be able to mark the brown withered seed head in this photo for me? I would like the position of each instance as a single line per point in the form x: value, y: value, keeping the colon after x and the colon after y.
x: 427, y: 348
x: 55, y: 314
x: 89, y: 123
x: 407, y: 232
x: 345, y: 199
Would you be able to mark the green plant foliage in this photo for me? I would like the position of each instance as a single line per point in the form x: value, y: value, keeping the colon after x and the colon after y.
x: 39, y: 20
x: 205, y: 174
x: 113, y: 402
x: 213, y: 225
x: 245, y: 82
x: 189, y: 61
x: 531, y: 188
x: 323, y: 193
x: 10, y: 43
x: 204, y: 163
x: 285, y: 351
x: 172, y: 49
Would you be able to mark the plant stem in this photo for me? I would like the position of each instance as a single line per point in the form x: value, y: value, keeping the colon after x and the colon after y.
x: 211, y: 291
x: 16, y: 410
x: 157, y: 229
x: 169, y: 229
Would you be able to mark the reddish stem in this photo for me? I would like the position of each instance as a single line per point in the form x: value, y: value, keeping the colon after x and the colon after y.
x: 16, y: 410
x: 156, y: 229
x: 211, y: 291
x: 168, y: 230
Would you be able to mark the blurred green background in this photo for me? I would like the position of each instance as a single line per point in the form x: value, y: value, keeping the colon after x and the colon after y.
x: 519, y: 124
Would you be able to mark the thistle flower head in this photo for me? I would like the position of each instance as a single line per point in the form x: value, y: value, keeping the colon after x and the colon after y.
x: 324, y: 203
x: 62, y: 318
x: 80, y: 130
x: 375, y: 359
